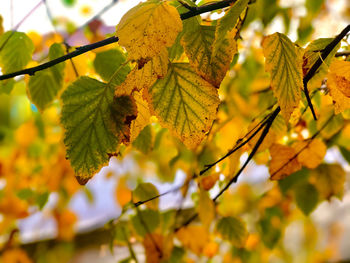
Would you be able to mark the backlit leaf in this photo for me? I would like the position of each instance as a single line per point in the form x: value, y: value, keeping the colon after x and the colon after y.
x: 283, y: 161
x: 284, y: 63
x: 144, y: 192
x: 233, y: 229
x: 206, y: 208
x: 184, y: 103
x: 87, y: 119
x: 197, y: 41
x: 338, y: 84
x: 306, y: 197
x: 16, y: 50
x: 145, y: 222
x: 144, y: 76
x: 144, y: 140
x: 328, y: 123
x: 193, y: 237
x: 107, y: 62
x: 45, y: 85
x: 147, y: 28
x: 311, y: 152
x: 329, y: 180
x: 227, y: 23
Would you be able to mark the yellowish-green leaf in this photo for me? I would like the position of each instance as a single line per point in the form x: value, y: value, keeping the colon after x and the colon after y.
x: 184, y: 103
x: 45, y: 85
x: 148, y: 28
x: 338, y: 84
x: 311, y: 54
x: 284, y: 63
x: 144, y: 140
x: 198, y: 44
x: 16, y: 50
x: 306, y: 197
x: 144, y: 192
x: 328, y: 123
x: 144, y: 76
x: 329, y: 180
x: 90, y: 131
x: 227, y: 23
x: 206, y: 208
x: 142, y: 118
x: 233, y: 229
x: 283, y: 161
x: 311, y: 153
x: 193, y: 237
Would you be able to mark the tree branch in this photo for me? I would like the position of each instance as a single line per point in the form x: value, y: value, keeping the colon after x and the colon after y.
x: 107, y: 41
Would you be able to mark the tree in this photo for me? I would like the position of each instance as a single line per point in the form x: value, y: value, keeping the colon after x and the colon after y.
x: 188, y: 93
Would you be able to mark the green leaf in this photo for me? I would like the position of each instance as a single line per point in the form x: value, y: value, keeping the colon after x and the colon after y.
x: 121, y: 232
x: 145, y: 222
x: 228, y: 22
x: 45, y: 84
x: 16, y: 50
x: 198, y: 41
x: 41, y: 199
x: 143, y: 141
x: 108, y: 62
x: 284, y: 63
x: 184, y: 103
x: 269, y: 232
x: 176, y: 50
x: 25, y: 193
x: 294, y: 180
x: 6, y: 86
x: 328, y: 123
x: 233, y: 230
x: 87, y: 119
x: 177, y: 255
x: 144, y: 192
x: 306, y: 197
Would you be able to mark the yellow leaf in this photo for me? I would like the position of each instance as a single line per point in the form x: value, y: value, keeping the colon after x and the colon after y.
x: 284, y: 63
x: 142, y: 118
x: 329, y: 180
x: 184, y: 103
x: 206, y: 208
x: 283, y: 161
x: 144, y: 76
x: 65, y: 224
x: 211, y: 249
x: 339, y: 85
x: 147, y: 28
x: 15, y: 255
x: 194, y: 238
x: 26, y: 134
x: 198, y: 44
x: 311, y: 152
x: 122, y: 192
x: 207, y: 182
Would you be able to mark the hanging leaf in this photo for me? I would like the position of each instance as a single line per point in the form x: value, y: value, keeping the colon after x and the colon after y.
x: 283, y: 161
x: 206, y: 208
x: 328, y: 123
x: 88, y: 123
x: 148, y: 28
x: 144, y: 140
x: 193, y: 237
x: 106, y: 63
x: 144, y: 192
x: 284, y: 63
x: 197, y: 41
x: 16, y: 50
x: 184, y: 103
x: 45, y: 85
x: 233, y: 230
x: 306, y: 197
x: 145, y: 222
x: 311, y: 152
x: 329, y: 180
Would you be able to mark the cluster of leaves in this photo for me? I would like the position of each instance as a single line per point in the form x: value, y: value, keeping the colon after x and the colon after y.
x: 180, y: 91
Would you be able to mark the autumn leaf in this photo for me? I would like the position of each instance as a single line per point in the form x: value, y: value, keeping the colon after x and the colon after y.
x: 226, y: 25
x: 207, y: 182
x: 148, y: 28
x: 16, y: 51
x: 283, y: 161
x: 45, y: 85
x: 310, y: 153
x: 206, y: 208
x: 338, y: 84
x: 193, y: 237
x: 284, y: 63
x: 153, y: 244
x: 328, y: 123
x: 144, y: 75
x: 329, y: 180
x: 306, y: 197
x: 184, y: 103
x: 122, y: 192
x: 145, y: 221
x: 233, y: 230
x: 144, y: 192
x: 90, y: 130
x: 197, y: 42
